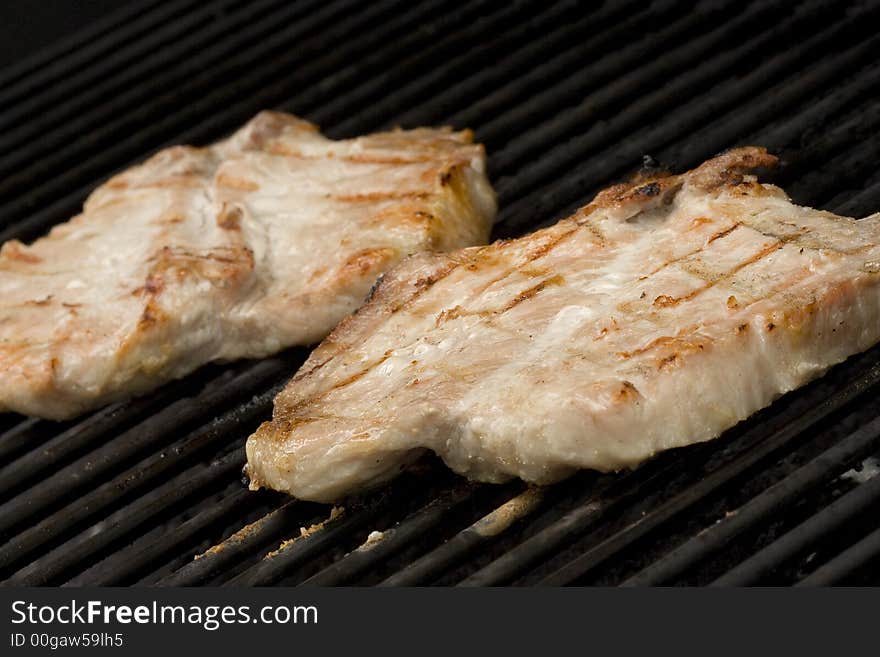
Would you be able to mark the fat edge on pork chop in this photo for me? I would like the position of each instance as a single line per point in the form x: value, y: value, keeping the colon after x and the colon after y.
x: 262, y: 241
x: 659, y: 315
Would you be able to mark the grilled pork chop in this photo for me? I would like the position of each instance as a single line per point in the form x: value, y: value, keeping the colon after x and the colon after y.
x: 659, y: 315
x: 264, y: 240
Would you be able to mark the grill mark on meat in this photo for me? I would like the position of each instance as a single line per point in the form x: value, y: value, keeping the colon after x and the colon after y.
x: 369, y: 159
x: 344, y: 383
x: 422, y: 285
x: 305, y: 373
x: 39, y: 302
x: 360, y: 374
x: 682, y: 258
x: 372, y: 197
x: 665, y: 301
x: 541, y: 251
x: 364, y: 261
x: 233, y: 182
x: 544, y: 248
x: 724, y: 233
x: 531, y: 292
x: 679, y: 338
x: 457, y: 311
x: 805, y: 241
x: 690, y: 334
x: 173, y: 181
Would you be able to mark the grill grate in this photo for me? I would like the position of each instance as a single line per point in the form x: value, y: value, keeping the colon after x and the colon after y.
x: 568, y: 97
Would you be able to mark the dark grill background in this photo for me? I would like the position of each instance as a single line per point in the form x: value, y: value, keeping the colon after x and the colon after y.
x: 567, y: 97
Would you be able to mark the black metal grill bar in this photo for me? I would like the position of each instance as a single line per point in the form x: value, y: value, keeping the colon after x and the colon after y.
x: 714, y: 63
x: 786, y: 129
x: 567, y: 105
x: 598, y: 501
x: 87, y: 80
x: 719, y: 134
x: 827, y: 522
x: 709, y: 485
x: 84, y: 545
x: 598, y: 504
x: 85, y: 434
x: 700, y: 109
x: 402, y: 86
x: 353, y: 80
x: 22, y: 437
x: 8, y: 421
x: 242, y: 544
x: 797, y: 421
x: 769, y: 87
x: 72, y: 45
x: 126, y: 565
x: 567, y: 48
x: 466, y: 542
x: 595, y: 42
x: 147, y: 472
x: 408, y: 531
x: 866, y: 551
x: 84, y: 49
x: 105, y: 146
x: 139, y: 83
x: 856, y: 127
x: 834, y: 461
x: 624, y: 77
x: 865, y: 202
x: 154, y: 433
x: 841, y: 161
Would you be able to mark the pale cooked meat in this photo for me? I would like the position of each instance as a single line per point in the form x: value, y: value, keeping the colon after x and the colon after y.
x: 264, y: 240
x: 659, y: 315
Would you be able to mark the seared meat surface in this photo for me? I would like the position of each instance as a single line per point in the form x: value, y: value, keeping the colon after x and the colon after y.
x: 264, y: 240
x: 659, y: 315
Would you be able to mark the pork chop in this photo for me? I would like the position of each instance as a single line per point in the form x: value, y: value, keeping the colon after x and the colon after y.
x: 261, y: 241
x: 659, y: 315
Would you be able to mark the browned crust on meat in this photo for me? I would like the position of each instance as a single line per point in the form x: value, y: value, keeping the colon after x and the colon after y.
x: 728, y: 168
x: 234, y: 182
x: 15, y: 250
x: 363, y: 262
x: 723, y: 171
x: 223, y: 267
x: 627, y: 393
x: 637, y: 193
x: 230, y: 216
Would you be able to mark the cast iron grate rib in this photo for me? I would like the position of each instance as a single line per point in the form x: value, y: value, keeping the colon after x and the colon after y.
x: 568, y: 97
